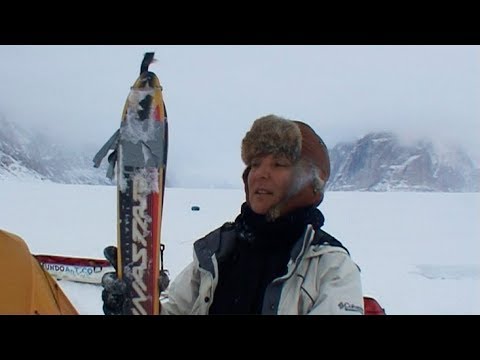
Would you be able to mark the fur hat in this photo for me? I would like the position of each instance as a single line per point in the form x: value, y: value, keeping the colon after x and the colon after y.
x: 299, y: 143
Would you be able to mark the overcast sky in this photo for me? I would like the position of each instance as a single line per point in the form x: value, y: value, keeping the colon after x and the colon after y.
x: 213, y: 94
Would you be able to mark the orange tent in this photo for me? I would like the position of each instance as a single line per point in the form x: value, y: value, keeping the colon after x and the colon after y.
x: 25, y: 287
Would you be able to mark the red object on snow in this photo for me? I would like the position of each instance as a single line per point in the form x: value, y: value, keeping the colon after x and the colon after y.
x: 372, y: 307
x: 73, y: 261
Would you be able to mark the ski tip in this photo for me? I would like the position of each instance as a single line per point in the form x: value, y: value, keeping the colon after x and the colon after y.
x: 148, y: 59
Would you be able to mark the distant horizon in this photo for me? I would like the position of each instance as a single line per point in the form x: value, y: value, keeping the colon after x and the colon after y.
x: 403, y: 137
x: 202, y: 179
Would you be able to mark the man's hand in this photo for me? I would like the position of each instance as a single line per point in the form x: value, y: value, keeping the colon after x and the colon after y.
x: 114, y: 294
x: 114, y: 290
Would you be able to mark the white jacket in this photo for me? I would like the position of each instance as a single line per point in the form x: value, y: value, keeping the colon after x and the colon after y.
x: 322, y: 280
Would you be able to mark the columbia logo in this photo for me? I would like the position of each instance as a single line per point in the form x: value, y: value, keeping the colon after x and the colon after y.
x: 350, y: 307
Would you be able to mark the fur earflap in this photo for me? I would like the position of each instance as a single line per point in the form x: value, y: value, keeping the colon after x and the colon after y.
x: 272, y: 135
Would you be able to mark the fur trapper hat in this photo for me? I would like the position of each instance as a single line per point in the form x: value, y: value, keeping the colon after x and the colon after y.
x: 299, y: 143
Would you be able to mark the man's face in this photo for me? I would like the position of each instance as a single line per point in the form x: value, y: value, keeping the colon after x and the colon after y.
x: 269, y: 180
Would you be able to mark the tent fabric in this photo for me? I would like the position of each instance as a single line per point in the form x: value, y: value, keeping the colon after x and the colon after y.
x: 25, y: 287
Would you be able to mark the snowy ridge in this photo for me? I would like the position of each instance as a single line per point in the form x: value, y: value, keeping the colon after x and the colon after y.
x: 380, y: 162
x: 443, y: 272
x: 12, y: 169
x: 25, y: 156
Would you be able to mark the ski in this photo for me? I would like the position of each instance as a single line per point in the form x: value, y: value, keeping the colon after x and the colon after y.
x: 140, y: 156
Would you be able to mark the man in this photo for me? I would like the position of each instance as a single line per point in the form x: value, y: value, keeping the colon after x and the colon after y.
x: 274, y: 258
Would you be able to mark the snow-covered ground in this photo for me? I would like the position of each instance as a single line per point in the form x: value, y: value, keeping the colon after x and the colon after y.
x: 419, y: 252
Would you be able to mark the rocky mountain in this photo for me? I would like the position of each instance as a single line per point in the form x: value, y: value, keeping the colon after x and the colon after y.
x: 31, y: 156
x: 380, y: 161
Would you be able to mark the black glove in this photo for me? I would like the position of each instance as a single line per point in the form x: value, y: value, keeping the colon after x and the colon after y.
x: 114, y: 294
x: 114, y: 289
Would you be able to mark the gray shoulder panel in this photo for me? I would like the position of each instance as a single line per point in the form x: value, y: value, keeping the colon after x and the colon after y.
x: 220, y: 242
